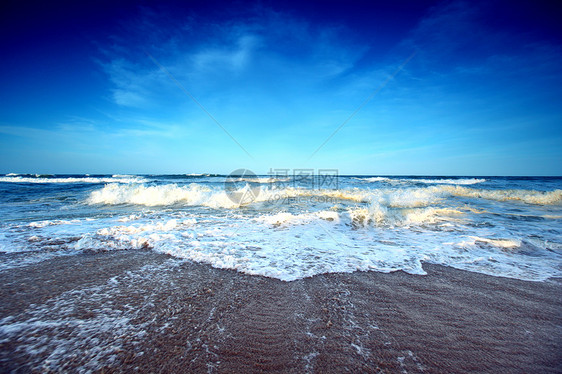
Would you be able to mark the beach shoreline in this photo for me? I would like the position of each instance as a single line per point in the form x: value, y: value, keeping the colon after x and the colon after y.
x: 142, y: 311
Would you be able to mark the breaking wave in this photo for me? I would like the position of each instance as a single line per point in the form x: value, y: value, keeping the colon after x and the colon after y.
x: 201, y: 195
x: 168, y: 194
x: 526, y: 196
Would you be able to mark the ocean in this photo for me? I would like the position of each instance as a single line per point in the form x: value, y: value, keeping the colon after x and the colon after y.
x: 291, y: 227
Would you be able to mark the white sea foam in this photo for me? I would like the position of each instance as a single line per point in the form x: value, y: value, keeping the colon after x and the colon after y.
x: 285, y: 218
x: 380, y: 215
x: 40, y: 224
x: 303, y: 194
x: 83, y: 330
x: 412, y: 197
x: 169, y: 194
x: 136, y: 236
x: 376, y: 179
x: 526, y: 196
x: 375, y: 214
x: 291, y: 232
x: 170, y: 225
x: 463, y: 181
x: 292, y: 245
x: 131, y: 217
x: 201, y: 195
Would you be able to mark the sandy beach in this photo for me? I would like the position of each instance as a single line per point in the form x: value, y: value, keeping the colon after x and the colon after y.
x: 141, y: 311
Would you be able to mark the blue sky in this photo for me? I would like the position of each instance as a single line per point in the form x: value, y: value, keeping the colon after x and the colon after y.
x: 86, y: 89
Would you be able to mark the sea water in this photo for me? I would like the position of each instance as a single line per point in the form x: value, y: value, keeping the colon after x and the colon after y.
x: 286, y: 229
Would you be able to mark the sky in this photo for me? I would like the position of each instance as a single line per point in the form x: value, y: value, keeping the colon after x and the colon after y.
x: 365, y: 87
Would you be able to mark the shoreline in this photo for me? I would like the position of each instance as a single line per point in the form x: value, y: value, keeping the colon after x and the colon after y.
x: 142, y: 311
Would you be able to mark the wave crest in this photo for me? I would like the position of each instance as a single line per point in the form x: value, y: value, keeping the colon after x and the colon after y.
x: 526, y: 196
x: 201, y: 195
x: 169, y: 194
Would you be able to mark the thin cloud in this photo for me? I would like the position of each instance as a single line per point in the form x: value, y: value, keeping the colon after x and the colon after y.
x: 231, y: 58
x: 260, y: 54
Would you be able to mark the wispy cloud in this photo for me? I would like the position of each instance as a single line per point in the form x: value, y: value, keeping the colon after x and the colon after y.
x: 82, y: 130
x: 231, y: 58
x: 246, y: 55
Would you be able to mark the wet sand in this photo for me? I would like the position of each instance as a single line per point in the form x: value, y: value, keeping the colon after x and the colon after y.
x: 140, y: 311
